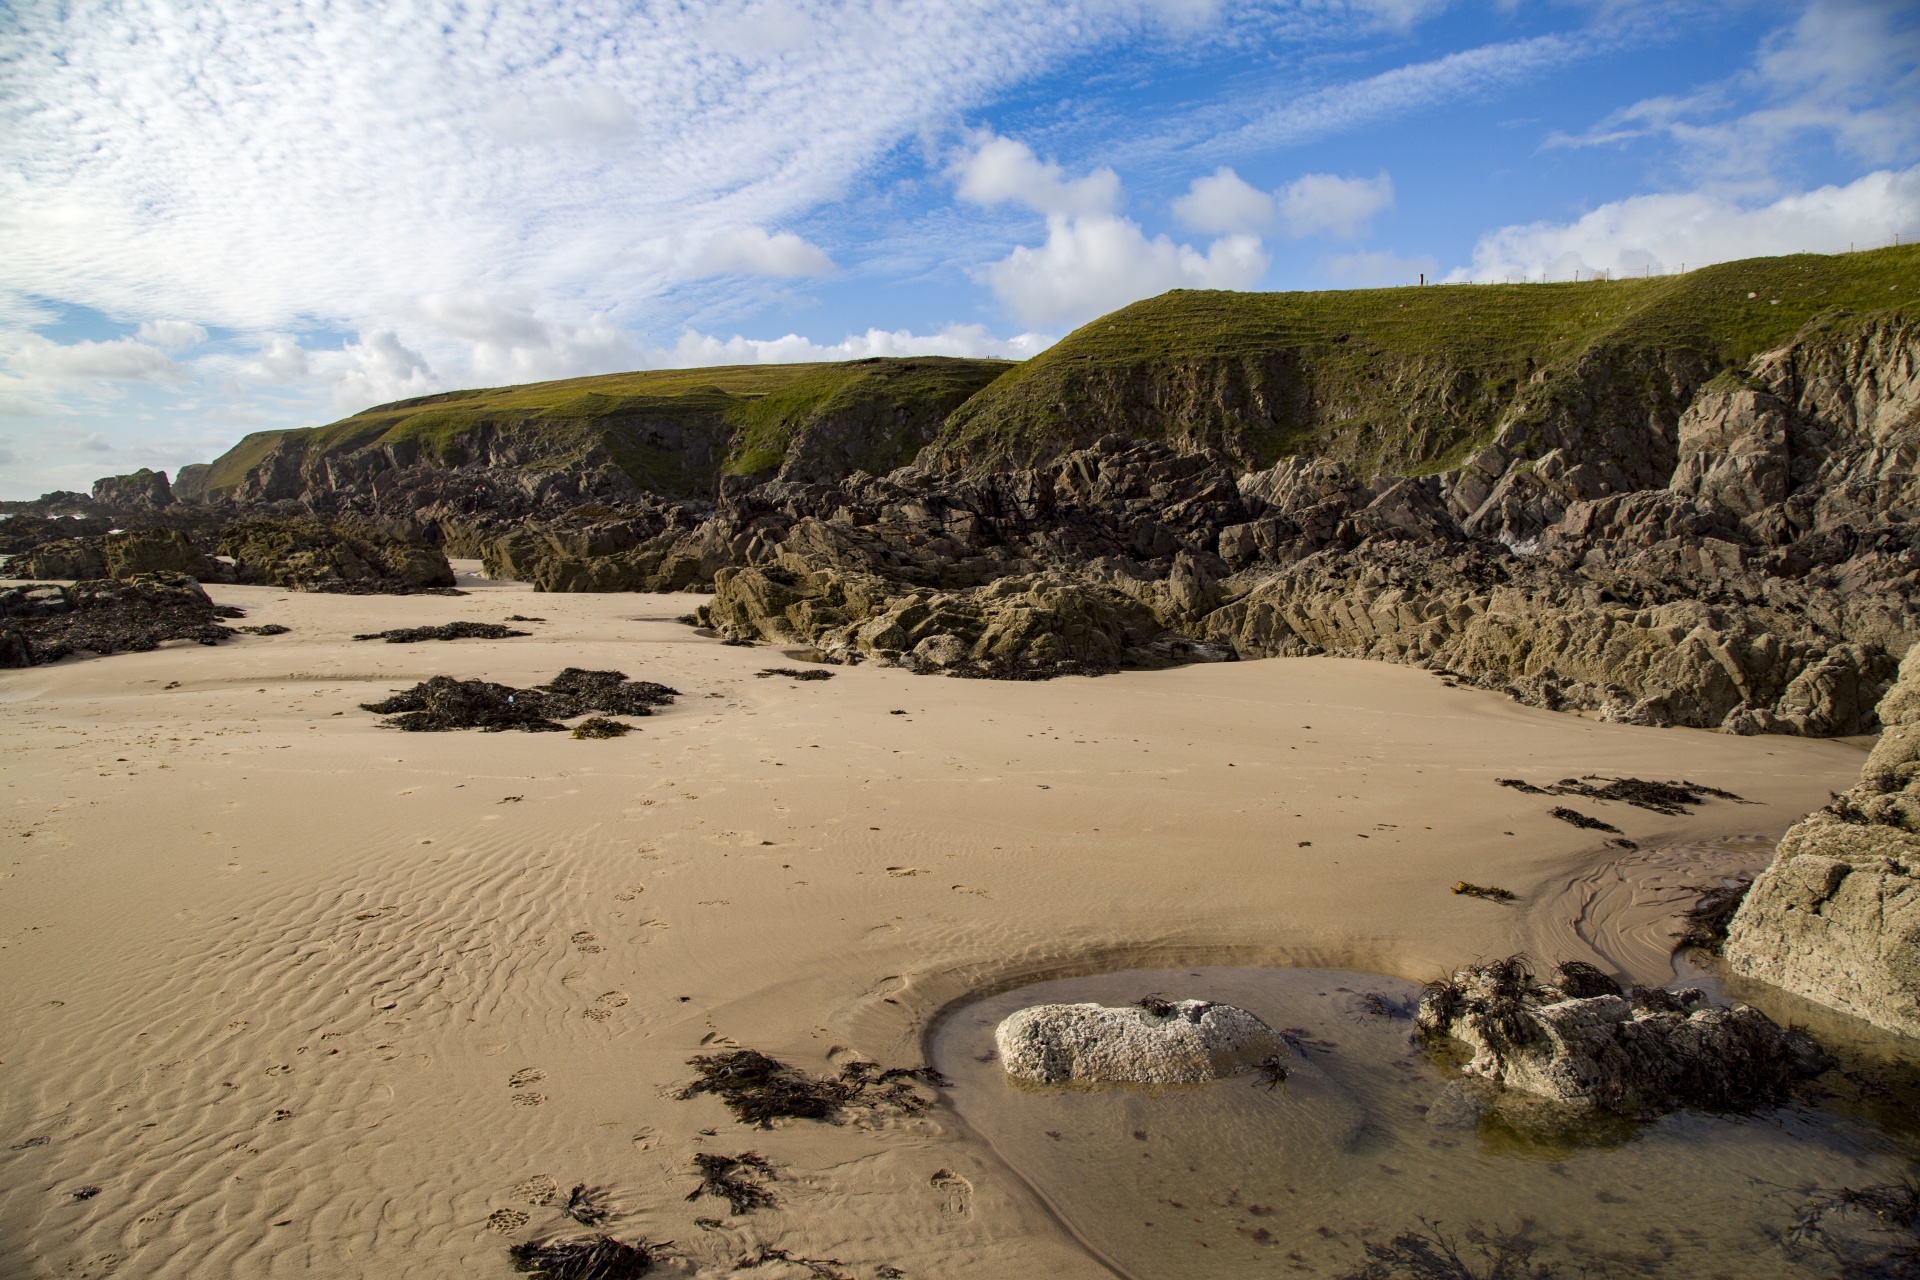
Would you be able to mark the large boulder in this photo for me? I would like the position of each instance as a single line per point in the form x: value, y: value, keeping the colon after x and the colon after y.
x: 142, y: 490
x: 1583, y: 1042
x: 122, y: 555
x: 44, y: 622
x: 309, y: 554
x: 1836, y: 917
x: 1154, y: 1042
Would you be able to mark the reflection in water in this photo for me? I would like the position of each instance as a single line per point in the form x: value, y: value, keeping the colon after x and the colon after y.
x: 1369, y: 1139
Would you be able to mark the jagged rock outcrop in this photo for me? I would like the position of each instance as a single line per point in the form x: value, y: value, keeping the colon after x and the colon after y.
x: 1154, y: 1042
x: 44, y: 622
x: 1581, y: 1041
x: 142, y: 490
x: 122, y: 555
x: 1836, y: 916
x: 320, y: 555
x: 190, y: 482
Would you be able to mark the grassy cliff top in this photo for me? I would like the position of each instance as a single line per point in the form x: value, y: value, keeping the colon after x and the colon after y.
x: 744, y: 396
x: 1339, y: 341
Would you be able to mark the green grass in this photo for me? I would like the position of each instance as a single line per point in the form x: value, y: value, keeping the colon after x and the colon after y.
x: 1420, y: 372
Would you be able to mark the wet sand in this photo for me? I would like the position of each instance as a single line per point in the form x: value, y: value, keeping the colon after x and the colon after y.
x: 272, y: 972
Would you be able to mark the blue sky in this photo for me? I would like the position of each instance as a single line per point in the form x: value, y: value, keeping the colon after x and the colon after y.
x: 219, y: 218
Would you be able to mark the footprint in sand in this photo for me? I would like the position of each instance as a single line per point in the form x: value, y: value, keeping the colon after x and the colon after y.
x: 586, y: 942
x: 528, y: 1099
x: 604, y: 1006
x: 525, y: 1076
x: 539, y: 1189
x: 630, y: 894
x: 506, y: 1221
x: 956, y: 1194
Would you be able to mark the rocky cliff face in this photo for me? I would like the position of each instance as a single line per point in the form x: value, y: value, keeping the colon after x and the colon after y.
x: 1836, y: 917
x: 143, y: 490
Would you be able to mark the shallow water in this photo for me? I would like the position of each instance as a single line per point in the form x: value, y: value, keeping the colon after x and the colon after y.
x: 1360, y: 1145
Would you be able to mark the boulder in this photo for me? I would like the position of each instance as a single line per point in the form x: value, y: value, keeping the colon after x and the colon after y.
x: 143, y: 490
x: 1170, y: 1042
x: 122, y: 555
x: 309, y: 554
x: 1636, y: 1053
x: 1836, y: 916
x: 44, y: 622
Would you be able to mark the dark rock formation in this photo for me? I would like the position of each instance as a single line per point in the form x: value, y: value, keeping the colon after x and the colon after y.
x: 308, y: 554
x: 123, y: 555
x: 44, y: 622
x: 143, y: 490
x: 1581, y: 1041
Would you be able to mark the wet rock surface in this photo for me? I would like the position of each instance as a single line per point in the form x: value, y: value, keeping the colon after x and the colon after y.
x: 44, y: 622
x: 444, y: 703
x: 1153, y: 1042
x: 1580, y: 1040
x: 1836, y: 916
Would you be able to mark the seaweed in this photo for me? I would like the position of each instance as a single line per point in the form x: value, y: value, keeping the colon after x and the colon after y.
x: 1580, y: 980
x: 267, y: 629
x: 1675, y: 799
x: 739, y: 1180
x: 820, y: 1268
x: 793, y: 673
x: 1157, y: 1005
x: 1709, y: 919
x: 594, y: 1258
x: 601, y: 727
x: 587, y: 1205
x: 1870, y: 1231
x: 759, y: 1089
x: 447, y: 631
x: 1273, y: 1070
x: 1580, y: 819
x: 444, y: 703
x: 1431, y: 1254
x: 1491, y: 892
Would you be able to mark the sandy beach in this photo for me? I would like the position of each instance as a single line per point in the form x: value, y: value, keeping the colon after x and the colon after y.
x: 304, y: 996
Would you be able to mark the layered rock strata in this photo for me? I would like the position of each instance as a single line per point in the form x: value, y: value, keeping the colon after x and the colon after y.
x: 1836, y: 916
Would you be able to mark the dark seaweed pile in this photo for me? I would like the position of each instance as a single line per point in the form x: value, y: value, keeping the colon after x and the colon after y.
x: 1580, y: 819
x: 595, y: 1258
x: 444, y: 703
x: 601, y: 727
x: 42, y: 622
x: 446, y: 631
x: 1675, y: 799
x: 759, y: 1089
x: 1709, y: 919
x: 739, y: 1180
x: 794, y: 674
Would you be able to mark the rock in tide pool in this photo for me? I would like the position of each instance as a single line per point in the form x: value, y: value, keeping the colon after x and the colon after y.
x: 1154, y: 1042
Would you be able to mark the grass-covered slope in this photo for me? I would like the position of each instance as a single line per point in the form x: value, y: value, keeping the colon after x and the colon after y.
x: 671, y: 431
x: 1409, y: 379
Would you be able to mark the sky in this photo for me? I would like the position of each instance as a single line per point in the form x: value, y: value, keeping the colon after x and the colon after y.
x: 223, y: 217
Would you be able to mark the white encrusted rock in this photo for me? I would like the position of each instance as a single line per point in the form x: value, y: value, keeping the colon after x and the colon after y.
x: 1175, y: 1042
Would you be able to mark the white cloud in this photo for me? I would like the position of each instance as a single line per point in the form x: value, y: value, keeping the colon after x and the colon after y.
x: 281, y: 361
x: 172, y: 335
x: 1223, y: 203
x: 119, y: 360
x: 1377, y: 268
x: 751, y: 251
x: 697, y: 349
x: 1322, y: 203
x: 1660, y: 233
x: 1001, y: 170
x: 95, y: 443
x: 8, y: 457
x: 375, y: 370
x: 1092, y: 265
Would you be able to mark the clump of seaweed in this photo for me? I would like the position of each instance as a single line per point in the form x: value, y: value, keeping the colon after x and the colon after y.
x: 1871, y: 1232
x: 1675, y: 799
x: 601, y: 727
x: 444, y: 703
x: 1579, y: 980
x: 1709, y: 919
x: 1273, y: 1070
x: 1492, y: 893
x: 1580, y: 819
x: 794, y: 673
x: 587, y: 1205
x: 595, y: 1258
x: 739, y: 1180
x: 446, y: 631
x: 266, y: 629
x: 759, y: 1089
x: 1157, y: 1005
x: 1431, y: 1254
x: 819, y: 1268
